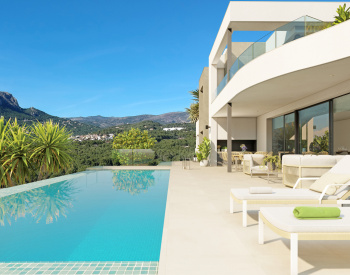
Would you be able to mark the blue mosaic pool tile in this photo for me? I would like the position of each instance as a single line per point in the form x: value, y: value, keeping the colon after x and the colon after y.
x: 84, y: 268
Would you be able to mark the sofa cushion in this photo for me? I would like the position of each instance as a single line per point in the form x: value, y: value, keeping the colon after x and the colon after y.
x: 257, y: 159
x: 329, y: 178
x: 318, y: 161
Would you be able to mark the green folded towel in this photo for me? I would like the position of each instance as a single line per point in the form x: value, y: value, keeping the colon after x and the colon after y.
x: 316, y: 213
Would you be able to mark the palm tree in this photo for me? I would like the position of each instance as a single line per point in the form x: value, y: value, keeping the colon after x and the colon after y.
x: 193, y: 111
x: 51, y: 148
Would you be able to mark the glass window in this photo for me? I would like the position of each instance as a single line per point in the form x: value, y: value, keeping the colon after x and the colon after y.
x: 314, y: 129
x: 277, y: 134
x: 341, y: 109
x: 289, y: 133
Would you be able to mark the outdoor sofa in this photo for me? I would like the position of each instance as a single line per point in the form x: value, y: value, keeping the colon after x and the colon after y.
x: 286, y: 196
x: 301, y: 166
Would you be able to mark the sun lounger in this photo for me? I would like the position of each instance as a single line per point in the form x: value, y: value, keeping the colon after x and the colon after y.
x: 295, y: 196
x: 282, y: 221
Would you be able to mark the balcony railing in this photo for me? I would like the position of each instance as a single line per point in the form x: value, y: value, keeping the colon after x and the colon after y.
x: 301, y: 27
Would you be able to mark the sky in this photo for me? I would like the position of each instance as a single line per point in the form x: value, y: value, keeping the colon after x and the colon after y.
x: 107, y: 57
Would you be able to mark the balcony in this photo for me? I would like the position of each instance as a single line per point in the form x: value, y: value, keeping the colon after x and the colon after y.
x: 294, y: 30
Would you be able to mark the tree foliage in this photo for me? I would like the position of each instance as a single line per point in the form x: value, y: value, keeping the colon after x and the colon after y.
x: 134, y: 139
x: 193, y: 111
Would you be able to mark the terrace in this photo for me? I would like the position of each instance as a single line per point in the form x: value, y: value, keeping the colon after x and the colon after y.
x: 200, y: 236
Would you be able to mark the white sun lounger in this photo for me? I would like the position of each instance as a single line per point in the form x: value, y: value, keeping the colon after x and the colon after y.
x: 294, y: 196
x: 282, y: 221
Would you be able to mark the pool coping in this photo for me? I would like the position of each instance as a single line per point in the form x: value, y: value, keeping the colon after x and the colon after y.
x: 128, y: 168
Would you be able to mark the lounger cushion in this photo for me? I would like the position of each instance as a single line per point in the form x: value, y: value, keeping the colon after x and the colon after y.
x: 283, y: 218
x: 329, y: 178
x: 278, y: 194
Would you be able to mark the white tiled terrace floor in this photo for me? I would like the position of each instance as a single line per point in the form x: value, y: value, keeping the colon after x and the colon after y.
x: 202, y: 237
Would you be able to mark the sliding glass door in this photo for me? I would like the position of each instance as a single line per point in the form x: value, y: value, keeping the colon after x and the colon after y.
x: 341, y: 122
x: 277, y: 134
x: 283, y: 134
x: 289, y: 133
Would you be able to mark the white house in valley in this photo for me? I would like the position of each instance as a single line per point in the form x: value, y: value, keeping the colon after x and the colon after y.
x: 285, y: 91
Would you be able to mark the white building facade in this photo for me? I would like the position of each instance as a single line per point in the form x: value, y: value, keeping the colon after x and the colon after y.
x: 287, y: 92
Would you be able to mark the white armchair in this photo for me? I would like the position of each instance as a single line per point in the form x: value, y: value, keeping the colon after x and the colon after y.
x: 253, y: 164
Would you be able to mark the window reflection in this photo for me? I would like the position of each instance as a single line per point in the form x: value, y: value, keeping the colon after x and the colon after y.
x: 314, y: 129
x: 289, y: 133
x: 277, y: 134
x: 341, y: 108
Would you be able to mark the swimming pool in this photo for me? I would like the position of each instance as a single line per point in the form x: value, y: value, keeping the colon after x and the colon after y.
x: 107, y: 215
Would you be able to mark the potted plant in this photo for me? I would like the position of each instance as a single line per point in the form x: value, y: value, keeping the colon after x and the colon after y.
x: 224, y: 149
x: 203, y: 152
x: 271, y: 161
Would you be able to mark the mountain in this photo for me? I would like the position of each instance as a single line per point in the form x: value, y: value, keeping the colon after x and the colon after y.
x: 104, y: 122
x: 9, y: 108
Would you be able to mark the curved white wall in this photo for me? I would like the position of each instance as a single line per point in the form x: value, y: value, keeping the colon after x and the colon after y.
x: 316, y: 49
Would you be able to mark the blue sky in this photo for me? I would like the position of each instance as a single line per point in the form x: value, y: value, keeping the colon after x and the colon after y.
x: 110, y: 58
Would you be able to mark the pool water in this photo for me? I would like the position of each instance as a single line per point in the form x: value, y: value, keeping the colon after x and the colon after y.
x: 107, y: 215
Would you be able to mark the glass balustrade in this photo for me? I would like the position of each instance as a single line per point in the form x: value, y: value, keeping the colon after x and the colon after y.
x: 296, y: 29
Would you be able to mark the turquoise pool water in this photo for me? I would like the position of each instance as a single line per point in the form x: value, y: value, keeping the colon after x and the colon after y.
x: 111, y: 215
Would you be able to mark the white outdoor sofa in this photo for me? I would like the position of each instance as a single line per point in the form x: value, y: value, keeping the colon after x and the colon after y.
x: 302, y: 166
x: 282, y: 221
x: 294, y: 196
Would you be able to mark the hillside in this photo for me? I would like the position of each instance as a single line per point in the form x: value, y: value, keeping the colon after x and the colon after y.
x: 170, y: 145
x: 9, y: 108
x: 104, y: 122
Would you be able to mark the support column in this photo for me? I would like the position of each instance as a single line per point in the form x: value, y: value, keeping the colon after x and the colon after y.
x: 229, y: 61
x: 229, y: 137
x: 213, y: 136
x: 213, y: 82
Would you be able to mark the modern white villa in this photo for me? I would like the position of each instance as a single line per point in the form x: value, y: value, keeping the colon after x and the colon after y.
x: 284, y: 90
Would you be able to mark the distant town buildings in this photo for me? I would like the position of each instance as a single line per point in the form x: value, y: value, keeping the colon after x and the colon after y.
x: 173, y: 129
x: 92, y: 137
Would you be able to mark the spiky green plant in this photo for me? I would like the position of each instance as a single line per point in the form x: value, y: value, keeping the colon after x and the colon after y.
x: 18, y: 152
x: 51, y: 148
x: 4, y: 175
x: 343, y: 15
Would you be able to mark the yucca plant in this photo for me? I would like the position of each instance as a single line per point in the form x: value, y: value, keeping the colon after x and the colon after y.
x: 51, y: 148
x: 17, y: 153
x: 343, y: 15
x: 4, y: 175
